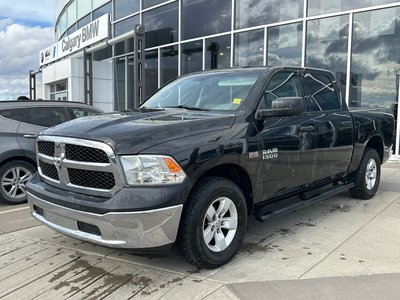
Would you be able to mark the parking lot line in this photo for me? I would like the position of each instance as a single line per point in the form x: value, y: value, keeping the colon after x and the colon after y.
x: 13, y: 210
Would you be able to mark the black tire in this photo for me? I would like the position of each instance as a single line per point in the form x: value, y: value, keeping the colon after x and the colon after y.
x: 365, y: 185
x: 210, y: 194
x: 12, y: 183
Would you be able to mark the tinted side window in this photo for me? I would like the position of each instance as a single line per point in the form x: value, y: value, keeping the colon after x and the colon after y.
x: 78, y: 112
x: 282, y: 84
x: 321, y: 94
x: 18, y: 114
x: 47, y: 116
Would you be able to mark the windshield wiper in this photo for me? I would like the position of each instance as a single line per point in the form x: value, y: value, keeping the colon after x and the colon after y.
x: 188, y: 107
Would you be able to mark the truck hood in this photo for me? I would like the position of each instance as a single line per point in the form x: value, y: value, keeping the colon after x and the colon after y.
x: 133, y: 132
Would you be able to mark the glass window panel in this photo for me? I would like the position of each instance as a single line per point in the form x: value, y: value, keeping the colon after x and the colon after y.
x: 47, y: 116
x: 71, y: 14
x: 191, y: 57
x: 130, y: 83
x: 63, y: 22
x: 119, y: 75
x: 282, y: 84
x: 18, y: 114
x: 149, y: 3
x: 98, y: 3
x: 61, y: 86
x: 250, y: 13
x: 71, y: 29
x: 320, y: 93
x: 124, y: 8
x: 169, y: 64
x: 319, y: 7
x: 161, y: 25
x: 58, y: 31
x: 375, y: 58
x: 84, y: 7
x: 123, y: 27
x: 151, y: 72
x: 84, y: 21
x: 205, y: 17
x: 218, y: 52
x: 79, y: 112
x: 327, y: 44
x: 105, y: 9
x: 249, y: 48
x: 284, y: 45
x: 102, y: 54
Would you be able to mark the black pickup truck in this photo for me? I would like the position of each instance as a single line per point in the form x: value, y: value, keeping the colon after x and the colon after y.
x: 203, y: 153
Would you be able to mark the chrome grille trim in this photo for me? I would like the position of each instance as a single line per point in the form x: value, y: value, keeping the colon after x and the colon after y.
x: 62, y: 165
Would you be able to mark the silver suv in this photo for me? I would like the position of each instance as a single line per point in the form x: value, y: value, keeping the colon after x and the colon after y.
x: 20, y: 123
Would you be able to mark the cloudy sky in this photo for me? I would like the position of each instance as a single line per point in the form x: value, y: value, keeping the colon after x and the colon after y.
x: 26, y: 27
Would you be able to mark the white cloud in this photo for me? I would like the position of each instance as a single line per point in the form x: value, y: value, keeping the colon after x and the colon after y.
x: 19, y: 53
x: 5, y: 22
x: 38, y: 10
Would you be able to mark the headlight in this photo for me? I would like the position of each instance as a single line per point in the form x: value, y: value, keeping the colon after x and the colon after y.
x: 151, y: 169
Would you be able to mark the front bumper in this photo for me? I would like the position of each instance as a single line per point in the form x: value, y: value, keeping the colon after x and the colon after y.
x: 128, y: 230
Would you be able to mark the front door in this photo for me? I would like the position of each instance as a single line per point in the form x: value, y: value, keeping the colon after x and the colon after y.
x: 288, y: 142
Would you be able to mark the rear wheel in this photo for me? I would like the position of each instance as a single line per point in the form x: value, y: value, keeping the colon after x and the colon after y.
x: 367, y: 176
x: 213, y: 223
x: 13, y: 177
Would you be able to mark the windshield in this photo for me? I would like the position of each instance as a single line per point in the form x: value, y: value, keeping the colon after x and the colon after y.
x: 209, y: 91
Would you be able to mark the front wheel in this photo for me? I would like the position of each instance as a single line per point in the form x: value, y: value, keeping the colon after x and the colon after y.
x: 213, y: 223
x: 13, y: 177
x: 367, y: 176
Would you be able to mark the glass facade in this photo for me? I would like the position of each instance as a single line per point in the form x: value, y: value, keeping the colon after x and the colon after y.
x: 358, y: 37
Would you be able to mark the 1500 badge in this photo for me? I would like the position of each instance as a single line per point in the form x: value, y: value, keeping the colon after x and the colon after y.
x: 270, y: 153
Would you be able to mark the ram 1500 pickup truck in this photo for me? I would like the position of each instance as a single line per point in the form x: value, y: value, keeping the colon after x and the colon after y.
x: 202, y: 154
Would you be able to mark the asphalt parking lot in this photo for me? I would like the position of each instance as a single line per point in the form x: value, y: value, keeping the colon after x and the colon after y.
x: 340, y: 248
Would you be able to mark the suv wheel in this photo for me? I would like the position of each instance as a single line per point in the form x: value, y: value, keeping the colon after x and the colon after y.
x: 213, y: 223
x: 13, y: 176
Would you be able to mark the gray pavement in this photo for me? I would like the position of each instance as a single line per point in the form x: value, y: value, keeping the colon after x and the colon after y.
x: 339, y: 248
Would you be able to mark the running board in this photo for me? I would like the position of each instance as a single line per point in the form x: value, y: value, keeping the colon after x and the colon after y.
x: 302, y: 201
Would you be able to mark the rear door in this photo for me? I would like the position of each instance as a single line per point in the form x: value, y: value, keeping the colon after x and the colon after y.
x: 333, y: 122
x: 288, y: 141
x: 36, y: 120
x: 9, y: 122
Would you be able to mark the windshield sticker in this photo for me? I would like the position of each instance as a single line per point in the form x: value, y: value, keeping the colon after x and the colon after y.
x: 237, y: 101
x: 270, y: 153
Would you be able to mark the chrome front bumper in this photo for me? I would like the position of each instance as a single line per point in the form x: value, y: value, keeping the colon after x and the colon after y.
x: 128, y: 230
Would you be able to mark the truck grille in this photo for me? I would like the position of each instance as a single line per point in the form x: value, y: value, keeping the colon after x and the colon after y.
x: 49, y: 170
x: 96, y: 179
x: 78, y: 165
x: 82, y: 153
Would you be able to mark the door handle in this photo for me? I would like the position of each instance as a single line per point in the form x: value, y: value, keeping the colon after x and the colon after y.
x: 346, y: 124
x: 30, y: 136
x: 306, y: 128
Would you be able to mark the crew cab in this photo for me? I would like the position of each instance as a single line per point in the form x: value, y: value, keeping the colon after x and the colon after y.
x: 202, y: 154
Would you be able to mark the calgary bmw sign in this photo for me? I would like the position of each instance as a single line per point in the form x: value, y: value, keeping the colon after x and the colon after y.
x: 92, y: 33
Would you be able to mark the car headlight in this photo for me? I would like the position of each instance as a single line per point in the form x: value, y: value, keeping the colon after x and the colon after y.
x: 151, y: 169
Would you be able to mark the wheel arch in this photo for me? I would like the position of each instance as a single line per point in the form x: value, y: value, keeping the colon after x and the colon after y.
x: 24, y: 158
x: 236, y: 174
x: 376, y: 143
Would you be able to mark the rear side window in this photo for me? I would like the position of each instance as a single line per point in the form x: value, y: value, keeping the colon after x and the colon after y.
x: 47, y: 116
x: 280, y: 85
x: 320, y: 92
x: 17, y: 114
x: 78, y: 112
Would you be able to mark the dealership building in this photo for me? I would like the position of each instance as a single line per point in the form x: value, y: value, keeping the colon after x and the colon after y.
x: 359, y: 37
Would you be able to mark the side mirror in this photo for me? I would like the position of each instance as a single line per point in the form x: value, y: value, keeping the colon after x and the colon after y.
x: 287, y: 106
